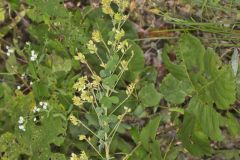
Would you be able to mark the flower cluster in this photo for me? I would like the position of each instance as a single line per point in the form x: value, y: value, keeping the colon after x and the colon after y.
x: 91, y: 47
x: 80, y: 57
x: 85, y: 89
x: 33, y: 56
x: 131, y: 87
x: 96, y: 36
x: 82, y: 156
x: 73, y: 120
x: 9, y: 51
x: 43, y: 106
x: 21, y: 123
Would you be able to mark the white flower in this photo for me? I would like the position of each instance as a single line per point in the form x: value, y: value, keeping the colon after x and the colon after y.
x: 23, y: 76
x: 18, y: 87
x: 45, y: 107
x: 38, y: 110
x: 28, y: 43
x: 31, y: 83
x: 9, y: 51
x: 22, y: 127
x: 41, y: 103
x: 35, y: 109
x: 35, y: 119
x: 20, y: 120
x: 33, y: 56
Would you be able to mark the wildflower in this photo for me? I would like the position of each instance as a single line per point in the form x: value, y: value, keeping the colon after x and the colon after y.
x: 41, y: 103
x: 119, y: 34
x: 80, y: 84
x: 33, y: 56
x: 118, y: 17
x: 35, y: 109
x: 31, y: 83
x: 119, y: 117
x: 86, y: 96
x: 23, y: 76
x: 21, y: 120
x: 106, y: 7
x: 45, y: 105
x: 77, y: 101
x: 83, y: 156
x: 82, y: 137
x: 127, y: 109
x: 80, y: 57
x: 92, y: 47
x: 109, y: 43
x: 74, y: 157
x: 130, y: 88
x: 124, y: 65
x: 123, y: 46
x: 18, y: 87
x: 22, y: 127
x: 35, y: 119
x: 74, y: 120
x: 96, y: 36
x: 9, y: 51
x: 28, y: 43
x: 96, y: 80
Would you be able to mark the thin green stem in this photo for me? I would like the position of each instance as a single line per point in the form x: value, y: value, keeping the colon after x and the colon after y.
x: 88, y: 129
x: 120, y: 104
x: 94, y: 148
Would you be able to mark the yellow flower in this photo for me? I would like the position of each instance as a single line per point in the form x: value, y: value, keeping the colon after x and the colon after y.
x: 119, y: 34
x: 127, y: 109
x: 130, y: 88
x: 82, y: 137
x: 73, y: 120
x: 124, y: 65
x: 83, y: 156
x: 92, y: 47
x: 80, y: 57
x: 86, y: 96
x: 80, y: 84
x: 106, y: 7
x: 77, y: 101
x: 74, y: 157
x: 96, y: 36
x: 96, y: 80
x: 118, y: 17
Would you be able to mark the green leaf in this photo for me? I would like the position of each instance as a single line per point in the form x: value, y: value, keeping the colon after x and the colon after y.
x: 149, y: 132
x: 136, y: 65
x: 36, y: 140
x: 233, y: 124
x: 193, y: 139
x: 42, y: 10
x: 110, y: 81
x: 149, y: 96
x: 207, y: 117
x: 112, y: 63
x: 173, y: 90
x: 234, y: 61
x: 202, y: 76
x: 220, y: 85
x: 60, y: 64
x: 200, y: 69
x: 40, y: 90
